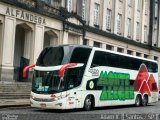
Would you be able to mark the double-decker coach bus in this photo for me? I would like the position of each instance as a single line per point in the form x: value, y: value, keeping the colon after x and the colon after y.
x: 75, y: 76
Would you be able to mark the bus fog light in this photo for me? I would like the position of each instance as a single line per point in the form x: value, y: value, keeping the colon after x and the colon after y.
x: 59, y: 104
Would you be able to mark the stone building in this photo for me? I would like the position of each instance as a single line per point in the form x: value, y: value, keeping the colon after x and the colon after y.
x: 28, y: 26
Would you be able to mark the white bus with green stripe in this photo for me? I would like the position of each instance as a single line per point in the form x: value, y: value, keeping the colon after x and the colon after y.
x: 77, y: 76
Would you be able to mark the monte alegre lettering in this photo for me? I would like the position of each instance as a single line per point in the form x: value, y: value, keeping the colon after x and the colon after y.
x: 116, y: 86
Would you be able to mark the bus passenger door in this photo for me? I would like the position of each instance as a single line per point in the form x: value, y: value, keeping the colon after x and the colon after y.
x: 78, y: 99
x: 74, y: 99
x: 73, y: 82
x: 71, y: 99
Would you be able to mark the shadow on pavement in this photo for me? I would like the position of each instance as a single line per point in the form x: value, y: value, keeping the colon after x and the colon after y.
x: 82, y: 110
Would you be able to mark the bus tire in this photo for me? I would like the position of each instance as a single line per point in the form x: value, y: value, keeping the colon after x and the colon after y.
x: 138, y: 101
x: 145, y: 100
x: 88, y: 103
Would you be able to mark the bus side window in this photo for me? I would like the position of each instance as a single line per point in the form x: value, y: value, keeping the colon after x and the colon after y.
x: 74, y: 77
x: 99, y: 59
x: 80, y: 55
x: 152, y: 67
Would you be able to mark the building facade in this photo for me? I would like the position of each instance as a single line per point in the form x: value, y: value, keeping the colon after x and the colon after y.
x: 154, y: 22
x: 28, y: 26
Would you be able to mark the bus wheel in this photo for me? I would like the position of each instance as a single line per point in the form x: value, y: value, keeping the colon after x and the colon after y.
x: 145, y: 100
x: 138, y: 101
x: 88, y: 103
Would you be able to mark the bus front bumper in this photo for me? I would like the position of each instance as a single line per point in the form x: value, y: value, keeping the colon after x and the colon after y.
x: 59, y: 104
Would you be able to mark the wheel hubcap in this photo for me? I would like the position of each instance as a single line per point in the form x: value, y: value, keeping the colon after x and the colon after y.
x: 137, y: 101
x: 88, y: 102
x: 144, y: 101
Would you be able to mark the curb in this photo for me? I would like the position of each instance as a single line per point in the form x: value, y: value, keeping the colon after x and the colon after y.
x: 14, y: 103
x: 10, y: 106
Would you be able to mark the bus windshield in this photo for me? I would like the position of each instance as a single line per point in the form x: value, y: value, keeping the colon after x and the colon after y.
x: 47, y: 82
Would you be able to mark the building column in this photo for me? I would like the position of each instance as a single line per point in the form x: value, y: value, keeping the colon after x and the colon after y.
x: 39, y: 40
x: 90, y: 43
x: 81, y: 40
x: 103, y: 45
x: 115, y: 48
x: 125, y: 18
x: 60, y: 38
x: 1, y: 41
x: 125, y: 50
x: 134, y: 19
x: 143, y: 21
x: 115, y: 16
x: 65, y: 37
x: 102, y: 15
x: 151, y: 57
x: 27, y: 44
x: 159, y: 70
x: 7, y: 70
x: 134, y: 53
x: 159, y: 26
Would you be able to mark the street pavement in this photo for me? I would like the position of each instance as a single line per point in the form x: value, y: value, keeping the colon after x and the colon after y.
x: 150, y: 112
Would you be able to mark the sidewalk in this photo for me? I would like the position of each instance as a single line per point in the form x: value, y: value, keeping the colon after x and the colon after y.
x: 14, y: 102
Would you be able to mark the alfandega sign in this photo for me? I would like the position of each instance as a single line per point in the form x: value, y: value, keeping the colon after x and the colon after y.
x: 18, y: 13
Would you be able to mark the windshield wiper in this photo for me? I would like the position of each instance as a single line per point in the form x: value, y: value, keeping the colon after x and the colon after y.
x: 61, y: 80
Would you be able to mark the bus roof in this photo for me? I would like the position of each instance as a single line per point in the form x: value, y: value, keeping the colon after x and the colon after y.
x: 73, y: 45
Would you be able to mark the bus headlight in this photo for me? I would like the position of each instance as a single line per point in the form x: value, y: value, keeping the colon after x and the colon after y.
x: 55, y: 98
x: 59, y: 104
x: 32, y: 97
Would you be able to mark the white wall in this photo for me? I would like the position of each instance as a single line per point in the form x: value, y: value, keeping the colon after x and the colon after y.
x: 1, y: 39
x: 9, y: 41
x: 0, y: 44
x: 38, y: 43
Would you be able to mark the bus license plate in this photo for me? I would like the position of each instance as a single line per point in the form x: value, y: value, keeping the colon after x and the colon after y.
x: 43, y: 105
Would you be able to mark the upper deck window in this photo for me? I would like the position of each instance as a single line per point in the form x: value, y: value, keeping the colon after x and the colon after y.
x: 52, y: 56
x: 80, y: 55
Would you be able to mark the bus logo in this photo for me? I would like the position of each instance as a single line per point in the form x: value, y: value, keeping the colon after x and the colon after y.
x: 94, y: 72
x: 145, y: 83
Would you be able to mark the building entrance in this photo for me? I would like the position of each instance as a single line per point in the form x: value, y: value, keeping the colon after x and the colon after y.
x: 0, y: 47
x: 50, y: 38
x: 23, y: 42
